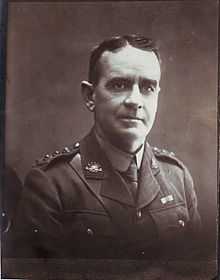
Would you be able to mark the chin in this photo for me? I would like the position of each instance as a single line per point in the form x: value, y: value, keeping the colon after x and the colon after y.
x: 130, y: 140
x: 136, y: 134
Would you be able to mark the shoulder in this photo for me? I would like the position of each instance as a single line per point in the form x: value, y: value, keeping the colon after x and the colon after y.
x: 172, y: 164
x: 176, y: 171
x: 51, y: 177
x: 167, y: 157
x: 57, y: 157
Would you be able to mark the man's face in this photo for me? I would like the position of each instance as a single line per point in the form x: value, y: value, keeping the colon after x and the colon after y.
x: 126, y: 96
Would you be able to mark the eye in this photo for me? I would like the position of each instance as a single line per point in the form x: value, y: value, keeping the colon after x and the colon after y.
x: 147, y: 88
x: 118, y: 85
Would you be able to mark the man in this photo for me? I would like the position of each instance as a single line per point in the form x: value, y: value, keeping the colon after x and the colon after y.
x: 111, y: 195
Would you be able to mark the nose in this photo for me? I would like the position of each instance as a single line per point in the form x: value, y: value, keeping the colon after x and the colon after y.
x: 134, y: 98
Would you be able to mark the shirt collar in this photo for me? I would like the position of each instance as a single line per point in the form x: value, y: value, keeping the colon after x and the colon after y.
x: 119, y: 159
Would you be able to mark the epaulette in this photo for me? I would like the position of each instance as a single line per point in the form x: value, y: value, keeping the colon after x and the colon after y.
x: 66, y: 152
x: 165, y: 155
x: 162, y: 152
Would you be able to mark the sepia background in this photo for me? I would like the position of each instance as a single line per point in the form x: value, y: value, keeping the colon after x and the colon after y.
x: 48, y: 49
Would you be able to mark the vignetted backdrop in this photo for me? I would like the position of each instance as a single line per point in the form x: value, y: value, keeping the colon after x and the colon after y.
x: 47, y: 57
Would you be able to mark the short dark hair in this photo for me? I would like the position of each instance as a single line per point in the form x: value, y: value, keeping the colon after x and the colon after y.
x: 116, y: 43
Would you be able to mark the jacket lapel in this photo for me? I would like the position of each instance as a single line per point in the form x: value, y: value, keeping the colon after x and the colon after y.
x: 148, y: 185
x: 105, y: 183
x: 99, y: 174
x: 100, y: 177
x: 110, y: 189
x: 115, y: 188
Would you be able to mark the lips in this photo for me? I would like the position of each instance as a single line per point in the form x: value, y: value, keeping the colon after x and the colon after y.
x: 131, y: 118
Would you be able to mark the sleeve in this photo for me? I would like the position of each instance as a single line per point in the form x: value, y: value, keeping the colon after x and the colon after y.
x: 191, y: 197
x: 37, y: 229
x: 195, y: 225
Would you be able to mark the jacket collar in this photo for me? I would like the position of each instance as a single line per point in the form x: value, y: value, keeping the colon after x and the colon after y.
x: 96, y: 168
x: 119, y: 159
x: 107, y: 182
x: 94, y: 162
x: 148, y: 185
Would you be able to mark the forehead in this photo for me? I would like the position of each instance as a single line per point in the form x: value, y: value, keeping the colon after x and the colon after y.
x: 130, y: 61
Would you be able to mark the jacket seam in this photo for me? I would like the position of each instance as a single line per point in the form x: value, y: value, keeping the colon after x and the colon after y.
x: 161, y: 209
x: 85, y: 211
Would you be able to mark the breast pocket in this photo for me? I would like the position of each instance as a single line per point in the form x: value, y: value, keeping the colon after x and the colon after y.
x: 88, y: 223
x: 171, y: 221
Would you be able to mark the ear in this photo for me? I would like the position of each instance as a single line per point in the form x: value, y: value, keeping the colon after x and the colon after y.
x: 158, y: 89
x: 87, y: 90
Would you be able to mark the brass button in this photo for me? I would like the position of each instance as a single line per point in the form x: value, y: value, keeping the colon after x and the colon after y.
x: 35, y: 230
x: 139, y: 214
x: 181, y: 223
x: 76, y: 145
x: 89, y: 231
x: 66, y: 150
x: 47, y: 156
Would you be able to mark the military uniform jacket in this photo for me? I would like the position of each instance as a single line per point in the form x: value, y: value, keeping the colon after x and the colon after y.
x: 75, y: 205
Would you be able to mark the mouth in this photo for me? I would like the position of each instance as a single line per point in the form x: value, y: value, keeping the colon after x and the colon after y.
x: 131, y: 121
x: 132, y: 118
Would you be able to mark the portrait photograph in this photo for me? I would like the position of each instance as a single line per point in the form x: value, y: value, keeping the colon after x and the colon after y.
x: 109, y: 140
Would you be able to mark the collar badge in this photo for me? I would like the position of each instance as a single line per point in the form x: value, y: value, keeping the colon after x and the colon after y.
x: 93, y: 167
x: 154, y: 164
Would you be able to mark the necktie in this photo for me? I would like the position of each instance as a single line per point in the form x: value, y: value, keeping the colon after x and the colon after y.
x: 131, y: 176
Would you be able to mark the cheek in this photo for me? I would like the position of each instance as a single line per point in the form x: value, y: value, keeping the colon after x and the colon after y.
x: 102, y: 95
x: 107, y: 102
x: 151, y: 105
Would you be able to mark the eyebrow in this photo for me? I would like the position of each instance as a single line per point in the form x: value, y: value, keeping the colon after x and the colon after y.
x: 150, y: 81
x: 129, y: 78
